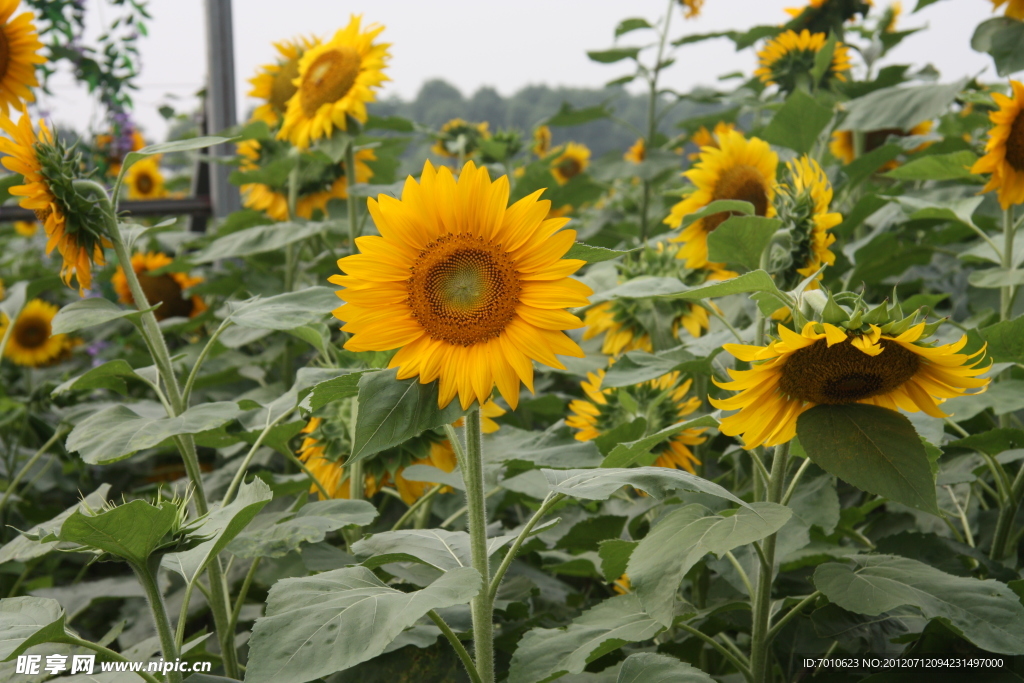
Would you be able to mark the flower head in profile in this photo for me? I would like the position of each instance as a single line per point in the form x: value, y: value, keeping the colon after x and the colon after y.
x: 19, y: 55
x: 144, y: 179
x: 662, y: 402
x: 166, y: 289
x: 573, y: 160
x: 541, y: 141
x: 32, y: 342
x: 803, y: 205
x: 822, y: 16
x: 274, y: 83
x: 74, y: 224
x: 468, y: 289
x: 336, y: 80
x: 789, y: 58
x: 1014, y: 8
x: 1004, y: 151
x: 842, y: 146
x: 458, y: 138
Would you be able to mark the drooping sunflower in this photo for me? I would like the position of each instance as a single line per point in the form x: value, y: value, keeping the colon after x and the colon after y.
x: 573, y: 160
x: 789, y: 57
x: 803, y: 204
x: 274, y: 84
x: 468, y: 288
x: 1014, y: 8
x: 637, y: 153
x: 336, y: 79
x: 329, y: 472
x: 166, y: 288
x: 825, y: 364
x: 19, y: 54
x: 738, y: 169
x: 74, y: 224
x: 842, y: 147
x: 459, y: 138
x: 32, y: 342
x: 704, y: 138
x: 541, y: 141
x: 26, y: 228
x: 1004, y: 151
x: 144, y: 180
x: 691, y: 8
x: 662, y: 401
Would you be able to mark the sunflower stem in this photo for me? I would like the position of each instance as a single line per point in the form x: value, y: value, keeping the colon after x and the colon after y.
x: 1007, y: 292
x: 147, y: 578
x: 460, y: 649
x: 59, y: 432
x: 350, y: 202
x: 476, y: 521
x: 1001, y: 546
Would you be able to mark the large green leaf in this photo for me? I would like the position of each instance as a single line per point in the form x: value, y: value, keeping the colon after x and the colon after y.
x: 1005, y: 340
x: 285, y: 311
x: 660, y: 482
x: 798, y: 124
x: 118, y: 431
x: 987, y: 612
x: 950, y: 166
x: 321, y: 624
x: 320, y: 394
x: 392, y: 411
x: 554, y: 447
x: 900, y: 107
x: 309, y: 525
x: 672, y: 288
x: 131, y: 531
x: 26, y: 546
x: 545, y: 654
x: 873, y: 448
x: 257, y: 240
x: 439, y: 548
x: 648, y: 667
x: 85, y: 313
x: 640, y: 366
x: 730, y: 206
x: 593, y: 254
x: 1002, y: 397
x: 188, y: 145
x: 742, y: 240
x: 682, y: 537
x: 28, y: 621
x: 996, y: 278
x: 625, y: 454
x: 1003, y: 39
x: 111, y: 375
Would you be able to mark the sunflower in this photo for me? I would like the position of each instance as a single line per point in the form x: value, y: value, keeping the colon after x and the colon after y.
x: 74, y: 225
x: 662, y: 402
x: 541, y: 141
x: 165, y: 288
x: 112, y: 156
x: 1004, y: 151
x: 275, y: 83
x: 622, y: 585
x: 804, y: 206
x: 738, y: 169
x: 467, y: 288
x: 691, y: 8
x: 704, y: 138
x: 329, y: 472
x: 842, y: 147
x: 144, y: 180
x: 19, y: 48
x: 458, y: 138
x: 822, y: 16
x: 1014, y: 8
x: 26, y: 228
x: 32, y: 343
x: 637, y: 153
x: 573, y: 160
x: 829, y: 365
x: 336, y: 79
x: 789, y: 57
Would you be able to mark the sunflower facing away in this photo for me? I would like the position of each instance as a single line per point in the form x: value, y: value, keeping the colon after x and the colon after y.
x: 738, y: 169
x: 468, y: 288
x: 1004, y: 151
x: 789, y: 57
x: 842, y: 147
x: 459, y: 138
x: 637, y: 153
x: 336, y: 79
x: 274, y: 84
x: 19, y: 53
x: 662, y: 402
x: 803, y: 203
x: 1014, y: 8
x: 144, y: 180
x: 573, y: 160
x: 829, y: 365
x: 709, y: 138
x: 165, y: 289
x: 74, y: 225
x: 822, y: 16
x: 541, y: 141
x: 32, y: 343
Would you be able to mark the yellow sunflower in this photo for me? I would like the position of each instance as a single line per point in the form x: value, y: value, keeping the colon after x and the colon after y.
x: 691, y: 8
x: 336, y: 79
x: 622, y: 585
x: 275, y: 83
x: 790, y: 56
x: 26, y: 228
x: 1004, y: 151
x: 541, y: 141
x: 842, y: 147
x: 80, y: 244
x: 19, y: 53
x: 1014, y: 8
x: 32, y: 343
x: 805, y: 201
x: 738, y: 169
x: 113, y: 158
x: 662, y: 402
x: 829, y: 365
x: 144, y: 180
x: 165, y: 289
x: 704, y: 138
x: 637, y: 153
x: 330, y: 473
x: 573, y: 160
x: 468, y: 288
x: 456, y: 135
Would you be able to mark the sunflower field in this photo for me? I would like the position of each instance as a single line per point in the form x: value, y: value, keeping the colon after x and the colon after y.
x: 740, y: 403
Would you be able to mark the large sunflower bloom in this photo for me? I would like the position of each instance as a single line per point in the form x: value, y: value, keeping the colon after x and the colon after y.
x: 1004, y: 151
x: 144, y: 180
x: 842, y: 147
x: 335, y: 81
x: 738, y: 169
x: 468, y: 288
x: 32, y: 342
x: 1014, y: 8
x: 835, y: 367
x: 790, y: 56
x: 19, y: 53
x: 573, y: 160
x: 165, y: 289
x: 275, y: 83
x: 601, y: 412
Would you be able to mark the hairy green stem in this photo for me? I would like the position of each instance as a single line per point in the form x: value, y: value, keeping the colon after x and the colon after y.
x: 482, y: 606
x: 147, y: 577
x: 791, y: 614
x: 236, y: 481
x: 550, y: 501
x: 460, y: 649
x: 109, y: 654
x: 1007, y: 292
x: 417, y: 504
x: 186, y: 393
x: 243, y: 591
x: 1001, y: 547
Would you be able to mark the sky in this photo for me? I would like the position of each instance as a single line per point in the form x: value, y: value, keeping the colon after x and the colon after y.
x: 476, y: 43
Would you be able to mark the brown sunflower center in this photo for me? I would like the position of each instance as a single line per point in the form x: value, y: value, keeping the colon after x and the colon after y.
x: 844, y: 374
x: 144, y: 183
x: 31, y: 332
x: 165, y: 289
x: 876, y: 138
x: 463, y: 289
x: 329, y: 78
x: 282, y: 86
x: 1015, y: 144
x: 743, y: 183
x: 570, y: 167
x: 5, y: 52
x: 43, y: 214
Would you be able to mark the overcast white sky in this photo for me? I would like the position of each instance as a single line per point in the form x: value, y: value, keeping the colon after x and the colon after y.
x: 474, y: 43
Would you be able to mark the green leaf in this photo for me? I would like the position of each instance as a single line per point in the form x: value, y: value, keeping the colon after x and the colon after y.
x: 823, y: 60
x: 866, y: 164
x: 85, y: 313
x: 392, y: 411
x: 7, y: 182
x: 900, y: 107
x: 117, y: 432
x: 742, y: 240
x: 28, y: 621
x: 569, y: 116
x: 14, y: 301
x: 321, y: 624
x: 218, y: 529
x: 316, y: 397
x: 1002, y: 397
x: 987, y: 612
x: 685, y: 535
x: 275, y: 174
x: 309, y: 525
x: 639, y: 366
x: 439, y: 548
x: 285, y: 311
x: 168, y: 147
x: 626, y: 454
x: 627, y: 25
x: 555, y: 447
x: 395, y: 123
x: 996, y: 278
x: 585, y: 535
x: 25, y: 547
x: 875, y: 449
x: 614, y: 556
x: 660, y: 482
x: 799, y: 123
x: 993, y: 442
x: 592, y: 254
x: 1003, y: 39
x: 648, y: 667
x: 959, y: 210
x: 952, y: 166
x: 545, y: 654
x: 616, y: 54
x: 131, y: 531
x: 1005, y: 340
x: 731, y: 206
x: 110, y: 375
x: 672, y: 288
x: 257, y: 240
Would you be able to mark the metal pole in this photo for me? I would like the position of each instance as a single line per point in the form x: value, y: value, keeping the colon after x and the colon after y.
x: 220, y: 100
